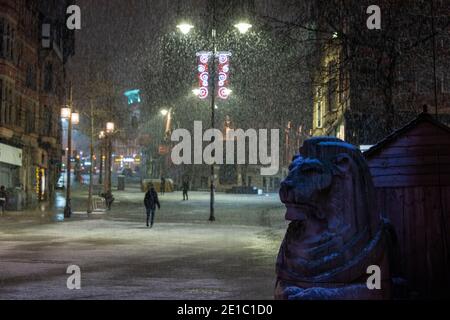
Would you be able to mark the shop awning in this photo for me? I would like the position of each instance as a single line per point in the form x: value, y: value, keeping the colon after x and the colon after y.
x: 10, y: 155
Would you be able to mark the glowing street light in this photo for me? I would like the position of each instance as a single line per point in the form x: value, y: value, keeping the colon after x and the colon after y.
x: 243, y: 27
x: 207, y: 82
x: 65, y: 113
x: 185, y: 28
x: 75, y: 118
x: 164, y: 112
x: 109, y: 127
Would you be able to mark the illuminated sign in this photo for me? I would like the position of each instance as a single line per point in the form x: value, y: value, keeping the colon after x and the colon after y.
x: 133, y: 96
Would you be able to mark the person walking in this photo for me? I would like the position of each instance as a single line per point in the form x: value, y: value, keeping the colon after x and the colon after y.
x: 163, y: 185
x: 3, y: 198
x: 150, y: 202
x: 185, y: 190
x: 109, y: 198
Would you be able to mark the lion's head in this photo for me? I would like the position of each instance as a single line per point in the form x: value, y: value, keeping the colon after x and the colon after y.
x: 329, y: 197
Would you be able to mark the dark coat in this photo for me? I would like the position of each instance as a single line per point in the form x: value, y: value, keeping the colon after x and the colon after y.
x: 185, y: 186
x: 4, y: 195
x: 151, y: 200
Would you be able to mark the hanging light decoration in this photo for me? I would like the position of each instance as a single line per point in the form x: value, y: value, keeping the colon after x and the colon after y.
x: 203, y: 74
x: 223, y: 79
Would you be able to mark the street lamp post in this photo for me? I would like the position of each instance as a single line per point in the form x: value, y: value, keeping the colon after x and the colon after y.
x: 166, y: 131
x: 90, y: 208
x: 72, y: 118
x: 213, y: 120
x: 185, y: 28
x: 67, y: 208
x: 109, y: 131
x: 101, y: 137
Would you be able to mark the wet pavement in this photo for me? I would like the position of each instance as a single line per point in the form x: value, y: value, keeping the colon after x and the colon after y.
x: 183, y: 257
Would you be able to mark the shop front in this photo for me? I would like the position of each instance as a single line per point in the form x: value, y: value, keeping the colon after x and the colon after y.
x: 10, y: 165
x: 41, y: 175
x: 40, y: 187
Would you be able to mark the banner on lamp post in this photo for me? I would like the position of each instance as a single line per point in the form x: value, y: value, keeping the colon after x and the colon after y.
x: 223, y: 75
x: 203, y: 73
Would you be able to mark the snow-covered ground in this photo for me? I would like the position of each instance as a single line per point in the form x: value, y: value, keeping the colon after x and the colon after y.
x: 183, y: 257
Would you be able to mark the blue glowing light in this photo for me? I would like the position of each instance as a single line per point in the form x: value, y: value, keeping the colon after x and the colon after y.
x: 133, y: 96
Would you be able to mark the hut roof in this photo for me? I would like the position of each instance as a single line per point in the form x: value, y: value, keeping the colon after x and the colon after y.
x: 422, y: 117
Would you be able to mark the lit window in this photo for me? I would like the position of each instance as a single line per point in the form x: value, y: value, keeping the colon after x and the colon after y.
x: 319, y: 114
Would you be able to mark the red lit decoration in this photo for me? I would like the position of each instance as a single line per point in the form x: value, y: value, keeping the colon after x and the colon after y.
x: 223, y: 74
x: 203, y: 74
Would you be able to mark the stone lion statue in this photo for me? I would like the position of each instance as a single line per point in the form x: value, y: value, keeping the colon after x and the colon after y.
x: 335, y: 233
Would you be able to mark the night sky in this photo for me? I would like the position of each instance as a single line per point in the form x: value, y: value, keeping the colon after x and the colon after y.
x: 117, y: 36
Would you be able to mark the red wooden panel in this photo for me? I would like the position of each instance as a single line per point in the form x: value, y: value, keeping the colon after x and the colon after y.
x: 426, y: 128
x: 411, y: 181
x: 437, y: 252
x: 415, y: 214
x: 408, y: 230
x: 423, y: 140
x: 381, y: 162
x: 416, y: 151
x: 446, y: 206
x: 394, y: 210
x: 410, y: 170
x: 441, y: 260
x: 380, y: 196
x: 446, y: 202
x: 420, y: 238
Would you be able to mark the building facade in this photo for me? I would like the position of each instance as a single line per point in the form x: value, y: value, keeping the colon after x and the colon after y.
x: 32, y: 91
x: 369, y: 82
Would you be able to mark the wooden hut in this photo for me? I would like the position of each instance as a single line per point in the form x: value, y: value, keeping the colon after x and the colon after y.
x: 411, y: 173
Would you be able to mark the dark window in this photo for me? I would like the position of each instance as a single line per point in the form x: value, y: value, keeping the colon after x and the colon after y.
x: 1, y: 101
x: 6, y: 105
x: 319, y: 108
x: 445, y: 82
x: 319, y: 114
x: 10, y: 110
x: 332, y: 86
x: 341, y: 85
x: 2, y: 37
x: 19, y: 112
x: 31, y: 77
x: 48, y: 78
x: 30, y: 119
x: 47, y: 122
x: 7, y: 35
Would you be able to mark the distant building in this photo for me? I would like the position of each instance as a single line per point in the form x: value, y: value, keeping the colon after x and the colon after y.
x: 32, y: 91
x: 127, y: 147
x: 363, y: 90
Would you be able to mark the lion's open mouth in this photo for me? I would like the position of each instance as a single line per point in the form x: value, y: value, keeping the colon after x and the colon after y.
x: 298, y: 211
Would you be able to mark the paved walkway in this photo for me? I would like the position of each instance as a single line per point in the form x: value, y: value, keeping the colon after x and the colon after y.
x: 182, y: 257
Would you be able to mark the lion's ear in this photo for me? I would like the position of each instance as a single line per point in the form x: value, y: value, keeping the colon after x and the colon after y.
x: 342, y: 163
